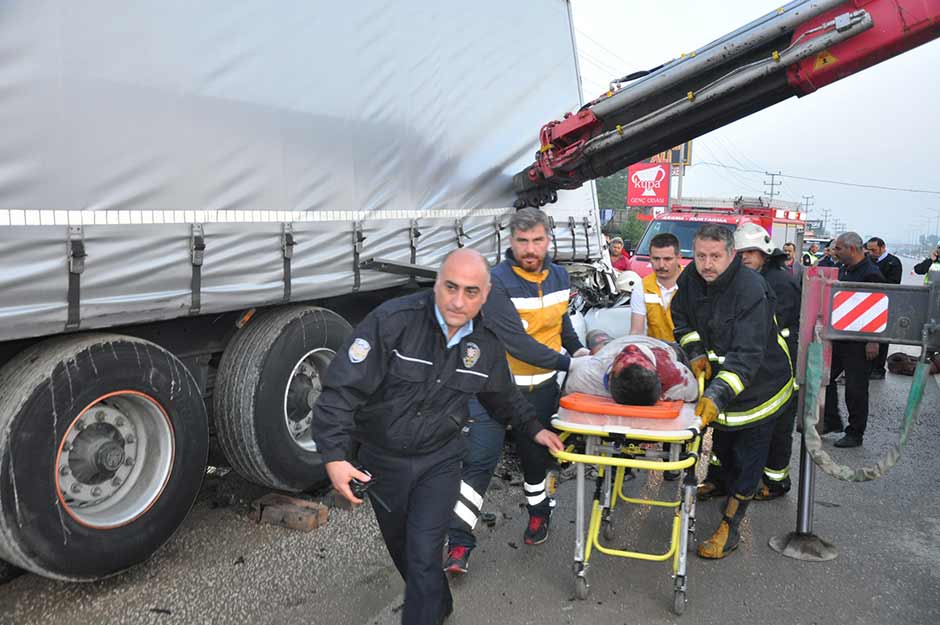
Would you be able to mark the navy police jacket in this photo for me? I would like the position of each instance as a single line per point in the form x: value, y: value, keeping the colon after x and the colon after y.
x: 731, y: 321
x: 395, y: 384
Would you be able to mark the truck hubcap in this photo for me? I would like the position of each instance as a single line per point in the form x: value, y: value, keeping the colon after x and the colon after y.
x: 301, y: 394
x: 115, y: 460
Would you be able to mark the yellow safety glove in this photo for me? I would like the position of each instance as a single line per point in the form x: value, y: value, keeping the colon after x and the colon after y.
x: 701, y: 366
x: 706, y: 410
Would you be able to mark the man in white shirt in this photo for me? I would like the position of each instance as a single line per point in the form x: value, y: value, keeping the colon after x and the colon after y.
x: 650, y: 300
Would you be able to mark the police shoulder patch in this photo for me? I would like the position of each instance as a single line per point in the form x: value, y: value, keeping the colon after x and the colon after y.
x: 471, y: 355
x: 359, y: 350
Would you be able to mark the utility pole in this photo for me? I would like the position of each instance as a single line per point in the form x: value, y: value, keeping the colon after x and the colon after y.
x: 826, y: 212
x: 773, y: 184
x: 808, y: 200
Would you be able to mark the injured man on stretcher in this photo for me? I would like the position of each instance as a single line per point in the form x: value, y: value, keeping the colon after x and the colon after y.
x: 634, y: 370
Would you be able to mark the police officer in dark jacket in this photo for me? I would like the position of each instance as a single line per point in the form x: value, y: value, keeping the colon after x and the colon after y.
x: 851, y: 356
x: 400, y: 388
x: 724, y: 319
x: 890, y: 267
x: 754, y: 245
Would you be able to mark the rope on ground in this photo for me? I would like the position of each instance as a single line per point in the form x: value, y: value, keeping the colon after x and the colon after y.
x: 813, y: 404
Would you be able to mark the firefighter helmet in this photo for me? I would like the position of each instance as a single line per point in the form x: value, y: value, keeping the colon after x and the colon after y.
x: 750, y: 236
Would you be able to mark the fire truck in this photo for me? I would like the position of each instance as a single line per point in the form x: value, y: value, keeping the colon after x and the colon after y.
x: 783, y: 220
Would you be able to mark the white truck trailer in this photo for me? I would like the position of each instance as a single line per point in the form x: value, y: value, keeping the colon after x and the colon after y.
x: 197, y: 199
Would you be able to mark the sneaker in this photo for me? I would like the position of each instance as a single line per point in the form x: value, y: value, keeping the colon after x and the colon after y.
x: 537, y: 531
x: 828, y: 429
x: 672, y: 476
x: 458, y: 559
x: 876, y: 375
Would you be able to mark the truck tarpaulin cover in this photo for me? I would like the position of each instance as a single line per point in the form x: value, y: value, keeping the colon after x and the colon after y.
x: 136, y: 120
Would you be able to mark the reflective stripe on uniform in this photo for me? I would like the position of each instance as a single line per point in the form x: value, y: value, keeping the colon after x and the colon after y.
x: 532, y: 380
x: 465, y: 514
x: 467, y: 492
x: 468, y: 505
x: 733, y: 380
x: 757, y: 413
x: 476, y: 373
x: 786, y: 350
x: 535, y: 303
x: 534, y: 493
x: 713, y: 459
x: 785, y: 333
x: 776, y: 476
x: 715, y: 357
x: 689, y: 338
x: 652, y: 298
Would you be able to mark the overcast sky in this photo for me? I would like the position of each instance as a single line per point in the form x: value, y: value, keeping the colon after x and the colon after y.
x: 878, y: 127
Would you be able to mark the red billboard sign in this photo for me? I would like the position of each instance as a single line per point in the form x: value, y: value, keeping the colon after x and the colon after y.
x: 648, y: 184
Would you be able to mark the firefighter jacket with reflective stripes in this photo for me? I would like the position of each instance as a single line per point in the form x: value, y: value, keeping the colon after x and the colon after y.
x: 529, y: 313
x: 788, y: 292
x: 731, y: 321
x: 658, y: 317
x: 396, y: 385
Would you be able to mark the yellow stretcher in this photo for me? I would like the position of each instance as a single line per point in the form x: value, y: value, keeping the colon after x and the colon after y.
x: 611, y: 443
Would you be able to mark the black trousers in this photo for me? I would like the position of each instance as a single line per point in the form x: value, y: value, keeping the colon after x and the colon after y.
x: 850, y: 358
x: 421, y: 492
x: 536, y: 458
x: 740, y: 457
x: 777, y: 467
x: 483, y: 445
x: 878, y: 364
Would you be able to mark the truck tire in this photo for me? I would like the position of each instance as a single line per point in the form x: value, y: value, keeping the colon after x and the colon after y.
x: 103, y: 445
x: 266, y: 385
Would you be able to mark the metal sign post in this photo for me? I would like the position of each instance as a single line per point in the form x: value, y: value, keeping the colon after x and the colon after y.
x: 850, y: 311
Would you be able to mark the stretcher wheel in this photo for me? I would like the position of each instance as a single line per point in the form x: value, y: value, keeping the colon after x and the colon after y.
x: 581, y: 587
x: 607, y: 530
x: 678, y: 602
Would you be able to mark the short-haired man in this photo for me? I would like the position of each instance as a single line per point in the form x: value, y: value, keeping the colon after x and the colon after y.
x: 400, y: 387
x: 527, y: 308
x: 635, y: 371
x: 851, y: 356
x: 809, y: 257
x: 828, y: 259
x: 890, y: 267
x: 793, y: 265
x: 650, y: 300
x: 757, y: 252
x: 724, y: 319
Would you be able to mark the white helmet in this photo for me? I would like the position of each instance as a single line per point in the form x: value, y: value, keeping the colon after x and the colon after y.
x: 750, y: 236
x: 626, y: 280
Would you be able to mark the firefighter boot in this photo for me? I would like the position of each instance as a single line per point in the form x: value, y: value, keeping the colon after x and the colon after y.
x: 725, y: 538
x: 713, y: 487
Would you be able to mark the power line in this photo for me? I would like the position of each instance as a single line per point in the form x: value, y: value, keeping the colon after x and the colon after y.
x: 735, y: 180
x: 823, y: 180
x: 607, y: 67
x: 601, y: 46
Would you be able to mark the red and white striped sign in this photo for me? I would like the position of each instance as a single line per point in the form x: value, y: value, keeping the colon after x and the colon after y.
x: 855, y: 311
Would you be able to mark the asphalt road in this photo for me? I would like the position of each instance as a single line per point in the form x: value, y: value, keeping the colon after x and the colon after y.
x: 222, y: 567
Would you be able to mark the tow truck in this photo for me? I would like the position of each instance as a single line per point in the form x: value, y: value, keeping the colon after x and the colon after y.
x: 803, y: 46
x: 783, y: 220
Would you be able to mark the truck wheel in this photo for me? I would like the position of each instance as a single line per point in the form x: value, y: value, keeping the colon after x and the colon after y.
x: 267, y: 382
x: 103, y: 445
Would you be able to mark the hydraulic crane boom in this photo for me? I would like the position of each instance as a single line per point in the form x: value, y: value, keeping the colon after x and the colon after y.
x: 797, y: 49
